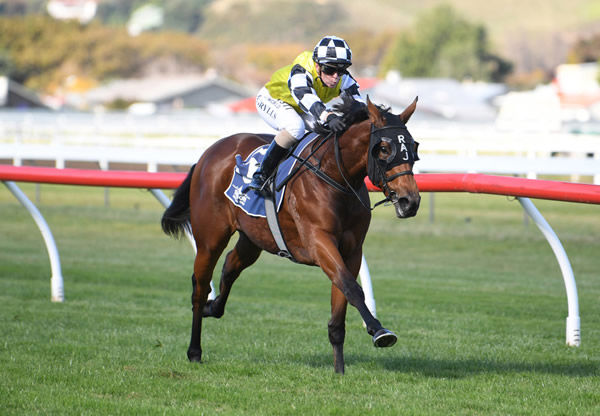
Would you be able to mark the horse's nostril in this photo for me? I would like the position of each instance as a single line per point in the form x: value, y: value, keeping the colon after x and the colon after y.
x: 409, y: 204
x: 417, y: 201
x: 404, y: 202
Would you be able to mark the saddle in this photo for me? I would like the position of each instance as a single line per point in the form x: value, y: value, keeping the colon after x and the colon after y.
x: 255, y: 204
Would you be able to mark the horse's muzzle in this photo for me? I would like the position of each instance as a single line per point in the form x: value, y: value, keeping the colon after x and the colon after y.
x: 407, y: 205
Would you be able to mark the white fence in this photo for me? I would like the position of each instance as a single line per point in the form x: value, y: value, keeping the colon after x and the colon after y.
x: 491, y: 151
x: 180, y: 138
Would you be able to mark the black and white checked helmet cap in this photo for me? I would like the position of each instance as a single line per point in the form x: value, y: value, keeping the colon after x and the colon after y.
x: 332, y: 50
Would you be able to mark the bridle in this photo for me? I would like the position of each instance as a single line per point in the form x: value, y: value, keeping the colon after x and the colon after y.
x: 404, y: 150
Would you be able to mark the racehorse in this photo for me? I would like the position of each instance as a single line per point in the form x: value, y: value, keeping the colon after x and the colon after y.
x: 323, y: 225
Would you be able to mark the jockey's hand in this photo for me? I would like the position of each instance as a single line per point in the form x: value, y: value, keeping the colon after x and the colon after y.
x: 335, y: 123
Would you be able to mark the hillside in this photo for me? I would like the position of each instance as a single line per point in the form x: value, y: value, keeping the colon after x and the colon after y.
x: 532, y: 33
x: 247, y: 39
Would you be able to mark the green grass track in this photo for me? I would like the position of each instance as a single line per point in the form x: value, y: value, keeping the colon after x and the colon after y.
x: 476, y: 298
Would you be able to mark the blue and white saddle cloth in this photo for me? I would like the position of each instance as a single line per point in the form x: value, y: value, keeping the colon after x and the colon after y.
x: 252, y: 203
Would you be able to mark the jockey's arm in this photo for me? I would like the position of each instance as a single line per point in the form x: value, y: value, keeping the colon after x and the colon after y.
x: 301, y: 87
x: 300, y: 84
x: 350, y: 87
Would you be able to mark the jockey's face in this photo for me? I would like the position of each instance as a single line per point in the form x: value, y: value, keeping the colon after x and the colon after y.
x: 329, y: 75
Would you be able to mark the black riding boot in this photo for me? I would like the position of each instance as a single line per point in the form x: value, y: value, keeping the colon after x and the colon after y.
x: 272, y: 158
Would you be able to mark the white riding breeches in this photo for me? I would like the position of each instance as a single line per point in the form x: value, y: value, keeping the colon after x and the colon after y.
x: 279, y: 115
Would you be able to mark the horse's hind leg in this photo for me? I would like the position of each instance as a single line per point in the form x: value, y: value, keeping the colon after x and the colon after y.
x: 243, y: 255
x: 210, y: 246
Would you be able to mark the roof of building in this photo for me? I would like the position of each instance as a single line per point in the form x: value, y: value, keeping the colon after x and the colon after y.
x: 13, y: 94
x: 165, y: 89
x: 444, y: 97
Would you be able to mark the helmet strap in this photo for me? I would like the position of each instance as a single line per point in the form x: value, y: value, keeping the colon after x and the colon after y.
x: 319, y: 71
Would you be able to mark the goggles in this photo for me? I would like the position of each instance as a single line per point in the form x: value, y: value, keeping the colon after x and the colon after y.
x: 332, y: 69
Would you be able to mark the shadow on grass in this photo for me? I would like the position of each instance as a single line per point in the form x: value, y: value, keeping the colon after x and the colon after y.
x: 459, y: 368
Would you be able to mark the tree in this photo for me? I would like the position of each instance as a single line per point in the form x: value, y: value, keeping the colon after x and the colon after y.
x: 115, y: 12
x: 22, y: 7
x: 585, y: 50
x: 183, y: 15
x: 6, y: 64
x: 40, y: 51
x: 443, y: 44
x: 180, y: 15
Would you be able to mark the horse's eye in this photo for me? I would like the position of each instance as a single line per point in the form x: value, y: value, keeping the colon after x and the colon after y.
x: 383, y: 153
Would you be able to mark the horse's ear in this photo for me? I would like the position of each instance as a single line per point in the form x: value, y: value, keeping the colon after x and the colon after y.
x: 374, y: 113
x: 405, y: 116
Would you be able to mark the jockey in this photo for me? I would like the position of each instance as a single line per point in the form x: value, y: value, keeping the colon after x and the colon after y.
x: 296, y: 93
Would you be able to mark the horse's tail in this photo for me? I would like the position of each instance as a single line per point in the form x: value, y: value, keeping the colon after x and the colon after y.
x: 176, y: 219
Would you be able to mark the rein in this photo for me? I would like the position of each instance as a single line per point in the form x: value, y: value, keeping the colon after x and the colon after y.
x: 390, y: 195
x: 315, y: 169
x: 338, y: 161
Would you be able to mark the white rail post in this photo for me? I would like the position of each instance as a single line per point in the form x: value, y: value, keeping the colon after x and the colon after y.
x: 365, y: 282
x: 573, y: 320
x: 56, y: 280
x: 597, y: 175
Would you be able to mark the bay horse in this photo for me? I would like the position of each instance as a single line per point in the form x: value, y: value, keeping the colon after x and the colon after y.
x: 323, y: 225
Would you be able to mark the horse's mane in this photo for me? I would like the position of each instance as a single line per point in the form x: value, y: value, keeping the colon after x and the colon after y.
x: 354, y: 111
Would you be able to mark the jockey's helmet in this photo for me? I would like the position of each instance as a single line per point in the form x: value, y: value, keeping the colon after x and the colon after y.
x: 332, y: 50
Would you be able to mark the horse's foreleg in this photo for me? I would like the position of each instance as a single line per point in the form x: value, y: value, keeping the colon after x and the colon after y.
x: 337, y: 327
x: 243, y: 255
x: 343, y: 279
x: 381, y: 337
x: 331, y: 262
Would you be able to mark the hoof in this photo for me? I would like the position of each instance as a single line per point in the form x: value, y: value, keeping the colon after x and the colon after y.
x: 208, y: 311
x: 384, y: 338
x: 194, y: 356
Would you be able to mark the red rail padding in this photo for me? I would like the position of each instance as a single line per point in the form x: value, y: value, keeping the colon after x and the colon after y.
x: 428, y: 182
x: 119, y: 178
x: 505, y: 185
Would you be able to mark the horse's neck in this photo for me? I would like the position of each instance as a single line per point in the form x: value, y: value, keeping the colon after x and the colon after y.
x: 353, y: 157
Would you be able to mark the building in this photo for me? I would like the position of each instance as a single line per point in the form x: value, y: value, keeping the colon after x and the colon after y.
x: 165, y: 92
x: 578, y: 90
x: 443, y: 98
x: 15, y: 95
x: 82, y: 10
